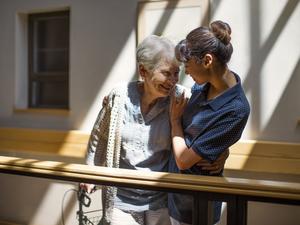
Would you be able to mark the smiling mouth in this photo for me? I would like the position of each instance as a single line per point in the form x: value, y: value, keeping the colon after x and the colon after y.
x: 166, y: 88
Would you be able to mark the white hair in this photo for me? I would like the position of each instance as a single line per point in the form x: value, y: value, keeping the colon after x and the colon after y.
x: 154, y: 50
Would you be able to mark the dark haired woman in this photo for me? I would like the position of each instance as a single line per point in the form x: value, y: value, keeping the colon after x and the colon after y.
x: 214, y: 117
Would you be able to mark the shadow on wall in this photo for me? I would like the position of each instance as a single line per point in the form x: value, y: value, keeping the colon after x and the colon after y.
x: 32, y: 201
x: 285, y: 107
x: 259, y: 54
x: 28, y: 200
x: 28, y: 193
x: 116, y: 31
x: 111, y: 59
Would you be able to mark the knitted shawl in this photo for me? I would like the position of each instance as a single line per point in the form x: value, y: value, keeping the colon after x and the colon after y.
x: 105, y: 143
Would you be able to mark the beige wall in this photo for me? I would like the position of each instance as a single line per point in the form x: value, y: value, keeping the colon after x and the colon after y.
x: 102, y: 53
x: 102, y: 48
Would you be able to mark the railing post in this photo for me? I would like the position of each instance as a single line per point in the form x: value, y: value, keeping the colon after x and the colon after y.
x: 201, y: 210
x: 237, y: 210
x: 242, y: 208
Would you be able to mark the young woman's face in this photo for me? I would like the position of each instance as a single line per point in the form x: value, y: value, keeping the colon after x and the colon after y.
x: 162, y: 79
x: 196, y: 70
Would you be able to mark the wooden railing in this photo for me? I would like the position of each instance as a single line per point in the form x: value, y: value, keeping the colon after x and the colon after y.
x: 235, y: 191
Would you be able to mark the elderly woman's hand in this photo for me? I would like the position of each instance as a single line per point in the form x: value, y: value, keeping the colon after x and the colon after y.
x: 105, y: 101
x: 217, y: 166
x: 89, y: 188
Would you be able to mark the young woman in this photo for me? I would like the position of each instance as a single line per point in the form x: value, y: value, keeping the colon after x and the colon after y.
x: 214, y: 117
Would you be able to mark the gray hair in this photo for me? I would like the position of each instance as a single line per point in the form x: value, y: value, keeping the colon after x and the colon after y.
x: 154, y: 50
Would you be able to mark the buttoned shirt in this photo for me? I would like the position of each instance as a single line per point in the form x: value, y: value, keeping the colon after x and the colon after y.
x: 145, y: 146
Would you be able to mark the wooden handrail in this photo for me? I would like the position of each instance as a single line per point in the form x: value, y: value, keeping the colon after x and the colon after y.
x: 235, y: 191
x: 156, y: 180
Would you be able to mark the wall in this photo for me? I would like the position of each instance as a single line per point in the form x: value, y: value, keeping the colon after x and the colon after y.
x: 266, y: 55
x: 102, y: 51
x: 102, y: 48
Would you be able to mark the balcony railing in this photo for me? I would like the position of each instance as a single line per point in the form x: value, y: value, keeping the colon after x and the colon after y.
x: 236, y: 192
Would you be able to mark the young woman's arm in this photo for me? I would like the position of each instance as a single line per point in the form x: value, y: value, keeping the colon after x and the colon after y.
x: 225, y: 132
x: 185, y: 157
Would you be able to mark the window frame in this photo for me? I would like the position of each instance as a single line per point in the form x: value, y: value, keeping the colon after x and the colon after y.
x: 61, y: 77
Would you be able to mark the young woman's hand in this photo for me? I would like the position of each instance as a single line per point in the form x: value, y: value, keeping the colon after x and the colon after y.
x: 217, y: 166
x: 177, y: 106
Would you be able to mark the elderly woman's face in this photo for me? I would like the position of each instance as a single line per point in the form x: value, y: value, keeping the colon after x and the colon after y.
x: 162, y: 80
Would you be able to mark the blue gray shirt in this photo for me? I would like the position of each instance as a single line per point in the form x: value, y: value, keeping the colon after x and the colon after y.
x: 146, y: 146
x: 210, y: 127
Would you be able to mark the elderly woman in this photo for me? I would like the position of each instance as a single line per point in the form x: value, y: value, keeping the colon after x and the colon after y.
x: 132, y: 131
x: 215, y: 115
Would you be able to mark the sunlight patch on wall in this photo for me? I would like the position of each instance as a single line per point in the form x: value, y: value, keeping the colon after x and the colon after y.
x: 177, y: 27
x: 279, y: 65
x: 270, y: 17
x: 122, y: 71
x: 241, y: 32
x: 49, y: 210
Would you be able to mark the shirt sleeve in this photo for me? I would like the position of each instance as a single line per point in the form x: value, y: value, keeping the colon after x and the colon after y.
x: 219, y: 136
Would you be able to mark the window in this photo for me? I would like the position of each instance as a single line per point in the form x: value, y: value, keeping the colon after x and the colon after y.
x: 48, y: 60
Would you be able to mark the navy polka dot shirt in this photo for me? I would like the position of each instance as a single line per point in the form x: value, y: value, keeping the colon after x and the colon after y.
x: 210, y: 127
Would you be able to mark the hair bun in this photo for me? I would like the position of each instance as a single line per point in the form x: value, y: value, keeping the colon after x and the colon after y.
x: 221, y: 30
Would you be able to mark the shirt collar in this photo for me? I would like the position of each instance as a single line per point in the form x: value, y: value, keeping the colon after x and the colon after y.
x: 226, y: 96
x: 161, y: 105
